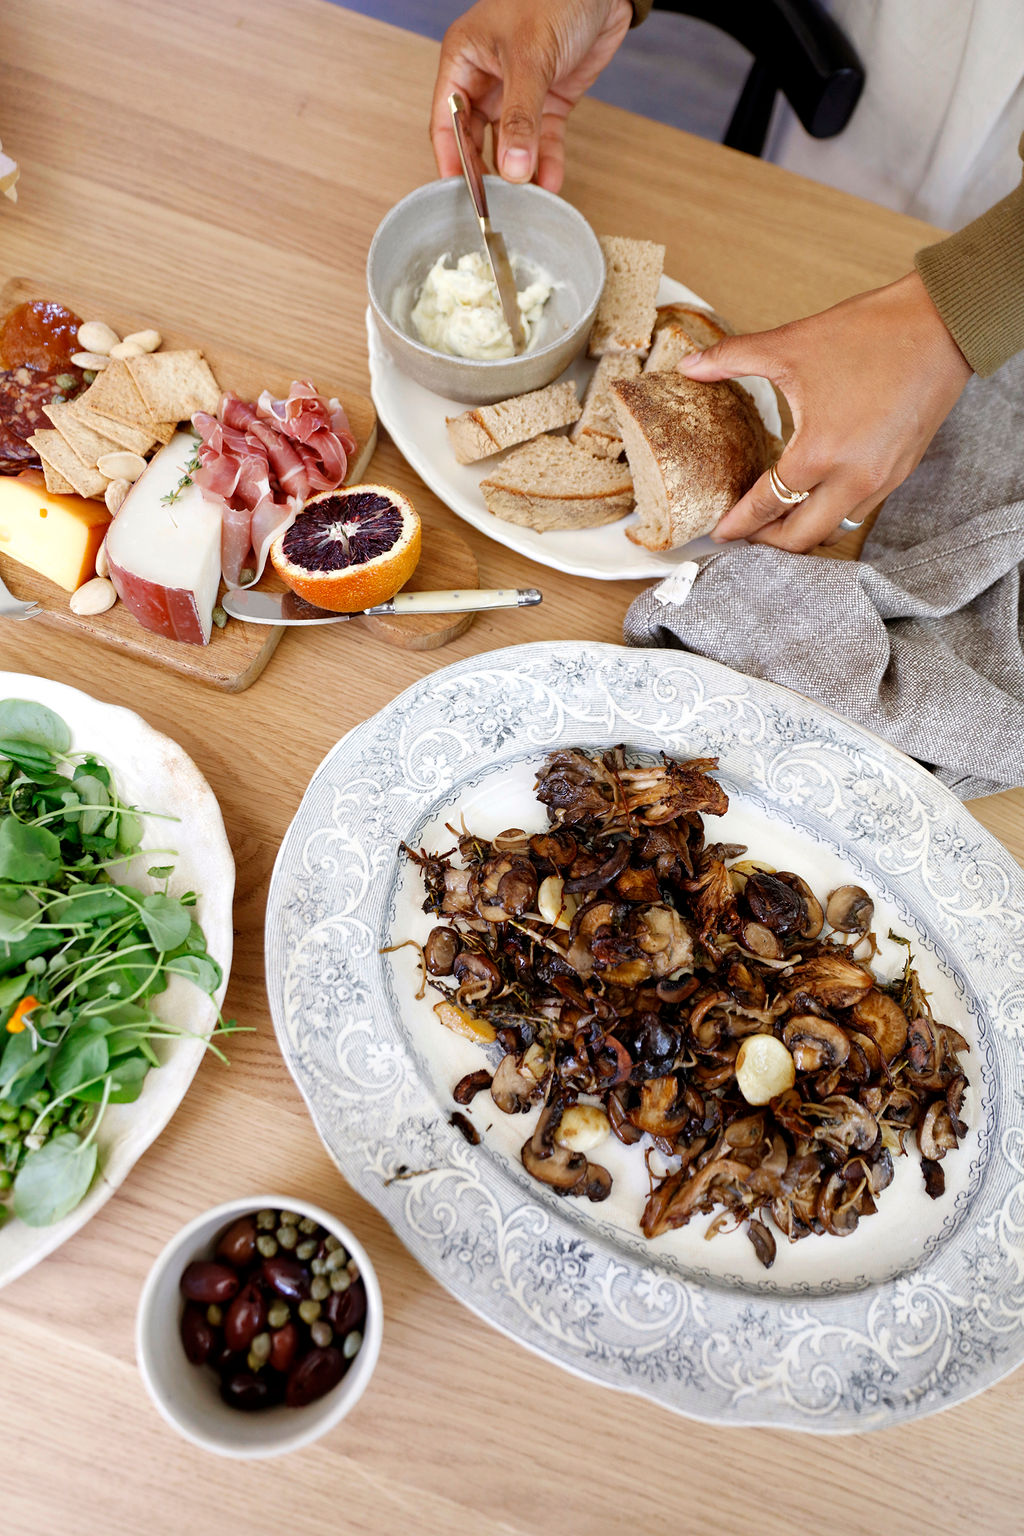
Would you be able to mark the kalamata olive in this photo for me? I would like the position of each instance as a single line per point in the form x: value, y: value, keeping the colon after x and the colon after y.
x: 197, y: 1335
x: 238, y: 1244
x: 345, y: 1310
x: 283, y: 1344
x: 206, y: 1281
x: 249, y: 1391
x: 246, y: 1316
x: 221, y: 1358
x: 286, y: 1277
x: 314, y: 1376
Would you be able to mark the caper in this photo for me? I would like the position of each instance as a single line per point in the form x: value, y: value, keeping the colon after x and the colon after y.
x: 306, y: 1250
x: 319, y: 1266
x: 290, y: 1218
x: 287, y: 1237
x: 320, y: 1288
x: 214, y: 1315
x: 340, y: 1281
x: 307, y: 1224
x: 321, y: 1333
x: 266, y: 1221
x: 266, y: 1244
x: 331, y: 1243
x: 336, y: 1259
x: 278, y: 1314
x: 352, y: 1343
x: 309, y: 1311
x: 260, y: 1347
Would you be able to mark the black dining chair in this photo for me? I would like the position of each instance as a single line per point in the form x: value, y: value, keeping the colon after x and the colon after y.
x: 798, y: 49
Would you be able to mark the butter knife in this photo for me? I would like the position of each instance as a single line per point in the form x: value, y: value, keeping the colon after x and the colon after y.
x: 288, y: 608
x: 494, y: 243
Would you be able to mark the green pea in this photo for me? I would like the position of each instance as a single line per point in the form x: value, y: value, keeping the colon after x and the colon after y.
x: 8, y: 1111
x: 27, y: 1118
x: 9, y: 1132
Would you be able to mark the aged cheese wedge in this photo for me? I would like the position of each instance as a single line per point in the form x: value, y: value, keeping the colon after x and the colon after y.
x: 58, y: 536
x: 163, y: 548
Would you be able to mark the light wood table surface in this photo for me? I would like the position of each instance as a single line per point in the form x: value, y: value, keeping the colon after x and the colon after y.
x: 221, y: 168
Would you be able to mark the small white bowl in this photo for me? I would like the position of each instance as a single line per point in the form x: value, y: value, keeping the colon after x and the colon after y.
x: 187, y: 1395
x: 542, y: 229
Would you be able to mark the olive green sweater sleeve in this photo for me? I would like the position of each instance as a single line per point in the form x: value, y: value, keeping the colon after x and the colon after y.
x: 976, y: 282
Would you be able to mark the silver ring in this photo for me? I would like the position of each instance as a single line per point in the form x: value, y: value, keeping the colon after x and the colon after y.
x: 847, y: 526
x: 782, y: 491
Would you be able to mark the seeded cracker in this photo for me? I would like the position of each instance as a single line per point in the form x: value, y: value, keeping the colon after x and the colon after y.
x: 135, y: 439
x: 174, y: 385
x: 113, y: 393
x: 89, y: 445
x: 53, y: 450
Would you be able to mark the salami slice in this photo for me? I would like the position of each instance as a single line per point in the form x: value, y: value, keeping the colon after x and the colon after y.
x: 23, y: 394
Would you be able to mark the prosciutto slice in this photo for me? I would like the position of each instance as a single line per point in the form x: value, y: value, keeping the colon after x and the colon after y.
x: 260, y: 462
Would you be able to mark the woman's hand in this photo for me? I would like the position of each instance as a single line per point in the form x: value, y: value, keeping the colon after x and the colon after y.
x: 523, y: 67
x: 869, y: 383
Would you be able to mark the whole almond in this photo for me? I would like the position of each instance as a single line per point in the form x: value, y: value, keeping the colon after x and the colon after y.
x: 92, y: 360
x: 97, y: 336
x: 115, y: 494
x: 96, y: 596
x: 149, y: 341
x: 127, y: 349
x: 102, y: 563
x: 121, y: 465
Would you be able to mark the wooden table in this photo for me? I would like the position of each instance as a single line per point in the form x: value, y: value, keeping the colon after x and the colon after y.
x: 222, y: 167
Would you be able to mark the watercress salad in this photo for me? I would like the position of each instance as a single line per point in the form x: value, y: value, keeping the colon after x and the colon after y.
x: 81, y: 958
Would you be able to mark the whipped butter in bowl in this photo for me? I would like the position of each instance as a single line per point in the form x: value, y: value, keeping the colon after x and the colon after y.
x: 434, y: 305
x: 458, y: 310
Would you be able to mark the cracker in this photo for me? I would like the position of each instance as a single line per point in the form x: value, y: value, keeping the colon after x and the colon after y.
x: 55, y: 482
x: 88, y: 443
x: 54, y: 451
x: 174, y: 385
x: 135, y: 439
x: 113, y: 393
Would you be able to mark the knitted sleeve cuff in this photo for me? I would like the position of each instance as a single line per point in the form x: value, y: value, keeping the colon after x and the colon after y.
x: 976, y: 281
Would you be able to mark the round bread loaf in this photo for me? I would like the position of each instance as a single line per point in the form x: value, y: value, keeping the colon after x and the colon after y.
x: 693, y: 450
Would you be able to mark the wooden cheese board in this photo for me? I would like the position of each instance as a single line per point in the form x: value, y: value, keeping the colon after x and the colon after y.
x: 236, y: 654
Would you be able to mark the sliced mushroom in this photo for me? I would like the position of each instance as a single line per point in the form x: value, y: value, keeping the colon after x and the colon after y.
x: 850, y: 909
x: 659, y: 1112
x: 512, y: 840
x: 934, y: 1178
x: 760, y: 941
x: 843, y: 1123
x: 468, y: 1087
x: 622, y: 1126
x: 683, y: 1194
x: 838, y: 1207
x: 512, y: 1088
x: 439, y: 951
x: 832, y: 980
x: 816, y: 1044
x: 557, y: 848
x: 639, y: 885
x: 877, y: 1015
x: 764, y: 1243
x: 569, y: 1173
x: 503, y: 887
x: 605, y: 873
x: 815, y: 918
x: 935, y: 1134
x: 478, y: 977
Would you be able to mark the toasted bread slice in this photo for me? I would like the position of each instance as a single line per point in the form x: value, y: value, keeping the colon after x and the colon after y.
x: 625, y: 316
x: 598, y: 428
x: 488, y: 429
x: 693, y: 449
x: 549, y: 483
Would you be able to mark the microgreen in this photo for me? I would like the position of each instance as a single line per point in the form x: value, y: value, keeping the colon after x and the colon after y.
x: 82, y: 955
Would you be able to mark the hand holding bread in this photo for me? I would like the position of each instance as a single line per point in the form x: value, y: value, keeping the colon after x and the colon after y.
x: 869, y: 383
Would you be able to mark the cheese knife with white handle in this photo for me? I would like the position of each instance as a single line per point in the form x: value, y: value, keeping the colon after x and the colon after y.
x: 288, y: 608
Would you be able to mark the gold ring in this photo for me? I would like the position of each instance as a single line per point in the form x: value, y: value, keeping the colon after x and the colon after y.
x: 782, y: 491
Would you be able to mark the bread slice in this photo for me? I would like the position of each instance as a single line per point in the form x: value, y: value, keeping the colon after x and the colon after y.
x: 598, y: 428
x: 679, y: 330
x: 550, y: 483
x: 693, y: 448
x: 625, y: 315
x: 478, y: 433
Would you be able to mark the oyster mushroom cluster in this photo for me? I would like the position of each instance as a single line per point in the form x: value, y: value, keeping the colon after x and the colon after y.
x: 639, y: 981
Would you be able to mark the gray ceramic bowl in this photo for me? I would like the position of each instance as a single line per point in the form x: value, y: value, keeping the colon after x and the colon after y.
x: 539, y: 227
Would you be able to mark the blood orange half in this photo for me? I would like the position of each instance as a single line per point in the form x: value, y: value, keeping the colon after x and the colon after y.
x: 351, y: 548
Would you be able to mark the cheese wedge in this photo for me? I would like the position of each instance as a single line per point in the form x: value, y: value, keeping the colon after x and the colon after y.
x: 58, y: 536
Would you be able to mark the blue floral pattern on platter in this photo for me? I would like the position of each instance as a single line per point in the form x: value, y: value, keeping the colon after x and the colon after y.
x: 883, y: 1348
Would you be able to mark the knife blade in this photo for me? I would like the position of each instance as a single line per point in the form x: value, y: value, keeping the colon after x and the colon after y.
x: 494, y: 242
x: 288, y: 608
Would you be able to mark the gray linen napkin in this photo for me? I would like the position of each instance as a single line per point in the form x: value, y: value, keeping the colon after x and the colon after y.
x: 921, y: 639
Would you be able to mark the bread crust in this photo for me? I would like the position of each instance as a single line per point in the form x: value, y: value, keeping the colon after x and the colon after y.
x: 487, y: 429
x: 694, y: 449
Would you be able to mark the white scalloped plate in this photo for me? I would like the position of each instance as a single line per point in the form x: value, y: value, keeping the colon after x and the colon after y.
x: 151, y: 772
x: 922, y: 1306
x: 415, y: 419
